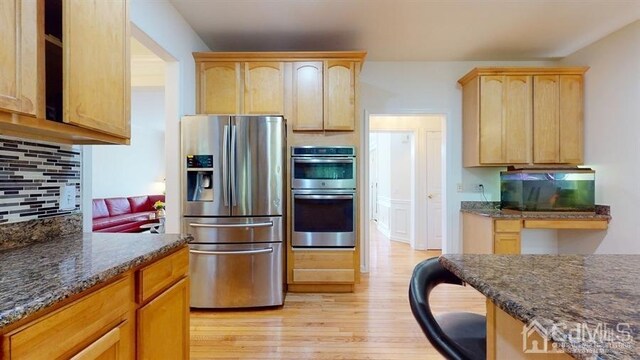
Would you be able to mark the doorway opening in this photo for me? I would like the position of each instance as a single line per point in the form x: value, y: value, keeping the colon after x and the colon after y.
x: 147, y: 165
x: 405, y: 171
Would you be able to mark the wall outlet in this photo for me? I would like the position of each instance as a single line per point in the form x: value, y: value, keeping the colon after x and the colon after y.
x: 67, y: 197
x: 459, y: 187
x: 478, y: 188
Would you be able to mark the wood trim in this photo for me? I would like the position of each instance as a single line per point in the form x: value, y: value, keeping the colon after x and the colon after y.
x: 320, y: 288
x: 479, y: 71
x: 567, y: 224
x: 279, y: 56
x: 47, y: 130
x: 491, y: 330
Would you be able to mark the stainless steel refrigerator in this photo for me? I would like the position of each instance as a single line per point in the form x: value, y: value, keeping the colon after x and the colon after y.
x: 233, y: 205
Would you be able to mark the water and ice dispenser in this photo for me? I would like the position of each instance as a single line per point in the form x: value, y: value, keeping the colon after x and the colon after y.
x: 200, y: 178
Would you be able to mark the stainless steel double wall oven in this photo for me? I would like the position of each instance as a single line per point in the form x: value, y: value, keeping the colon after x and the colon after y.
x: 323, y: 196
x: 233, y: 191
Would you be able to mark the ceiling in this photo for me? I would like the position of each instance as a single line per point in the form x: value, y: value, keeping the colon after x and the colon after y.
x: 147, y: 69
x: 410, y: 30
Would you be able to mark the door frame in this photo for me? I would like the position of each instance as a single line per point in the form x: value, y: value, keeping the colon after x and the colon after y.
x: 365, y: 245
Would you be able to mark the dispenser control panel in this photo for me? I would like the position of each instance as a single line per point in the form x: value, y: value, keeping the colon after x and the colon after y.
x: 199, y: 161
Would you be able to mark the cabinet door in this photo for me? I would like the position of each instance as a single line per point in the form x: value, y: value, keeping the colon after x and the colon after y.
x: 546, y: 120
x: 264, y: 88
x: 506, y: 243
x: 517, y: 120
x: 18, y: 56
x: 220, y: 88
x: 111, y: 346
x: 163, y: 325
x: 492, y: 89
x: 96, y: 65
x: 339, y: 95
x: 571, y: 119
x: 307, y: 96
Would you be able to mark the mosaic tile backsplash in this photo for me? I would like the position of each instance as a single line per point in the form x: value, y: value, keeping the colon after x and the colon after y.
x: 32, y: 175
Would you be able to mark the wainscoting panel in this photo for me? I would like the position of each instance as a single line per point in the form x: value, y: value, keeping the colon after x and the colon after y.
x: 384, y: 206
x: 400, y: 225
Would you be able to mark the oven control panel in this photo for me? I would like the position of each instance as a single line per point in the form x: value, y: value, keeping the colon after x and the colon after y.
x: 323, y: 151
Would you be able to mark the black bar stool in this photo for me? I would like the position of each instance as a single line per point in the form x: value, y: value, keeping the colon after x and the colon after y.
x: 458, y: 336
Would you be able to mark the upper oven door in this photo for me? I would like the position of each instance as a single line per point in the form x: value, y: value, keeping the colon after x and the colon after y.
x: 323, y: 173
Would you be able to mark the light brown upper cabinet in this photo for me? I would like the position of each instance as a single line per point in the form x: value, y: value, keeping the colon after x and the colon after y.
x: 220, y: 88
x: 520, y: 116
x: 558, y: 118
x: 18, y: 56
x: 264, y: 87
x: 68, y: 75
x: 339, y: 98
x: 308, y: 95
x: 316, y: 91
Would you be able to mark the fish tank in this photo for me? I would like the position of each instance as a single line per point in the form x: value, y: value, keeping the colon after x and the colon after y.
x: 566, y: 190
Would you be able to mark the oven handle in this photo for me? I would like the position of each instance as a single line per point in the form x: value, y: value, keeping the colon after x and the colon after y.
x: 233, y: 252
x: 324, y: 197
x: 252, y: 225
x: 332, y: 160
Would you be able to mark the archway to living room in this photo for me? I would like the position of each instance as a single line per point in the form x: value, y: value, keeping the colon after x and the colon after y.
x: 127, y: 180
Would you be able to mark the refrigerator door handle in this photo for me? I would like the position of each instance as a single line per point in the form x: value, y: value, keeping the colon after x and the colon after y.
x: 233, y: 252
x: 233, y: 165
x: 225, y: 165
x: 217, y: 226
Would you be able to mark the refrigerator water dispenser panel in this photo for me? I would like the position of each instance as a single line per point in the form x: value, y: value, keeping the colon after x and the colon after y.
x: 199, y: 177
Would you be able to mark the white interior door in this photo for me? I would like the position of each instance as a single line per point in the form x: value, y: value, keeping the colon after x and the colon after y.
x: 373, y: 184
x: 434, y: 190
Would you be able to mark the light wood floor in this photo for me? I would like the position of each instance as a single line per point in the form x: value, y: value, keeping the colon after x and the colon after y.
x: 375, y: 322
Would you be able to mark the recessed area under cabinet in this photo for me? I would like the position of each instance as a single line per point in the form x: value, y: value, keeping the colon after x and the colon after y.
x: 520, y: 116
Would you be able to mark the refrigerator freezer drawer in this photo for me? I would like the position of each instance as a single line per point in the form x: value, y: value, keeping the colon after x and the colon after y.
x: 233, y: 230
x: 236, y: 275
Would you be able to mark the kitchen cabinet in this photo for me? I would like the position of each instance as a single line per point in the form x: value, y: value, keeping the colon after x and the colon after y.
x: 522, y: 116
x: 322, y: 270
x: 18, y: 56
x: 220, y: 88
x: 339, y: 95
x: 75, y: 54
x: 264, y: 88
x: 558, y: 118
x: 308, y: 95
x: 227, y: 88
x: 316, y: 91
x: 144, y: 311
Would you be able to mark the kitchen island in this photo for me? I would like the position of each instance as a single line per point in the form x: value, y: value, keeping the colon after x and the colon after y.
x: 82, y: 293
x: 587, y: 305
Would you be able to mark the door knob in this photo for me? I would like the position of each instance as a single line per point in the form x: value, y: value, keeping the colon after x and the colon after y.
x: 430, y: 196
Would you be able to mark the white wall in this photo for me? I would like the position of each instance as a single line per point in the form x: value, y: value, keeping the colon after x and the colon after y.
x: 431, y: 87
x: 135, y: 169
x: 612, y: 140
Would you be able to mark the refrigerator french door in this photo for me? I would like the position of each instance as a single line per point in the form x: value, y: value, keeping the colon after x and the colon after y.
x: 233, y: 189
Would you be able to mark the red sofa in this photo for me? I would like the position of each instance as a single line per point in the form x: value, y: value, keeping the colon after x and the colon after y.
x: 119, y: 215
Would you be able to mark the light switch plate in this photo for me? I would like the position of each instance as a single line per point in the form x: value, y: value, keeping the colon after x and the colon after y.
x: 67, y: 197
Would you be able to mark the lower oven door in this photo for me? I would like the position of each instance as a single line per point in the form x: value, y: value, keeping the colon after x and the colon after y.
x: 236, y: 275
x: 323, y: 218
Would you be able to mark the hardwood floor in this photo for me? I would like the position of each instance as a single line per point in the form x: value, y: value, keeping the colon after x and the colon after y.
x: 375, y: 322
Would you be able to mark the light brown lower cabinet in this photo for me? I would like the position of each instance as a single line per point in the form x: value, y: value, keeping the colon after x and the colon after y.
x: 167, y: 318
x: 110, y: 322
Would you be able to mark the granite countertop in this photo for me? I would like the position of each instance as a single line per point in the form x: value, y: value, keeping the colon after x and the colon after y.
x: 39, y: 275
x: 565, y: 290
x: 491, y: 209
